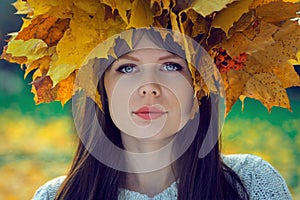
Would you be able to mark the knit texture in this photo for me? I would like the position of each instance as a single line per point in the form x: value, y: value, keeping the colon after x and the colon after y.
x: 261, y: 180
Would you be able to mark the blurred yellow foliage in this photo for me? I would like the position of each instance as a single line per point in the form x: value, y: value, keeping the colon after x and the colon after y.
x: 268, y: 141
x: 32, y: 151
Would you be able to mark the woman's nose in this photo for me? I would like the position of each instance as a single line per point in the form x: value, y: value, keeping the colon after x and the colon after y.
x: 150, y: 89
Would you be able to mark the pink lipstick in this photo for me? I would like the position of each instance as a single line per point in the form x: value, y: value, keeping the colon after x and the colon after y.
x: 149, y: 113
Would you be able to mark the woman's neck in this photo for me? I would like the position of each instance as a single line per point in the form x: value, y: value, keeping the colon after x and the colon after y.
x: 150, y: 183
x: 144, y: 145
x: 155, y: 180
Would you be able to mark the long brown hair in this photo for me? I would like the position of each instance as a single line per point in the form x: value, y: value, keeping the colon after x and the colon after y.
x: 199, y: 178
x: 206, y: 178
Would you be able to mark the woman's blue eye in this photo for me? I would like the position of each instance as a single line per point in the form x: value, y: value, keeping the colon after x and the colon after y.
x: 172, y: 67
x: 126, y: 69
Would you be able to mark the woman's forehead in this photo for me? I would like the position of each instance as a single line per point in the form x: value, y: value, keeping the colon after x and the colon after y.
x: 159, y: 54
x: 145, y: 43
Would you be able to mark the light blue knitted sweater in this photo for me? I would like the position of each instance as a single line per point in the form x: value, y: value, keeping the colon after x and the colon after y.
x: 261, y: 180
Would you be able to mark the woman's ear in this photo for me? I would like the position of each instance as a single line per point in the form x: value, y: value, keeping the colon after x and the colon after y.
x: 195, y: 107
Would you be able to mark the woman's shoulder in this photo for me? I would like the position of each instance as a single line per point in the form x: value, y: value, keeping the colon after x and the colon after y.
x: 49, y: 189
x: 260, y: 178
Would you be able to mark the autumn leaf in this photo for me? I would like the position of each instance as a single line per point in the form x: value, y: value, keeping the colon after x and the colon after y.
x: 26, y: 23
x: 49, y: 29
x: 87, y: 80
x: 62, y: 9
x: 45, y: 92
x: 296, y: 62
x: 41, y: 90
x: 41, y: 7
x: 276, y: 12
x: 173, y: 19
x: 226, y: 17
x: 268, y: 89
x: 59, y: 9
x: 165, y: 4
x: 22, y: 7
x: 246, y: 20
x: 78, y: 41
x: 89, y: 6
x: 42, y: 64
x: 193, y: 23
x: 284, y: 48
x: 287, y: 75
x: 32, y: 49
x: 66, y: 89
x: 206, y: 8
x: 257, y: 3
x: 14, y: 59
x: 251, y: 40
x: 58, y: 37
x: 141, y: 14
x: 122, y: 8
x: 234, y: 85
x: 265, y: 64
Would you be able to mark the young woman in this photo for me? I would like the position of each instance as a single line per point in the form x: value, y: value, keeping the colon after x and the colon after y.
x: 155, y: 134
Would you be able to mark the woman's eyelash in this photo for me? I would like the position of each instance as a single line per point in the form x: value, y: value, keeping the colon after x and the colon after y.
x: 130, y: 68
x: 172, y: 67
x: 127, y: 68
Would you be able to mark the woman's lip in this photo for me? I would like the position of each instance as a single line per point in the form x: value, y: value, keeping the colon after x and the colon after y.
x: 149, y: 112
x: 147, y: 109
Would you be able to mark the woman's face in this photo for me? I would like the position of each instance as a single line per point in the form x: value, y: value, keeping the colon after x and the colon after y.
x: 150, y: 93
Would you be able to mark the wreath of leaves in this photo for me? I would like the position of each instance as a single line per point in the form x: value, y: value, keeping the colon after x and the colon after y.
x: 254, y: 43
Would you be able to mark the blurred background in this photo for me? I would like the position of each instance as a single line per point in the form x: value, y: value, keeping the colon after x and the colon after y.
x: 37, y: 142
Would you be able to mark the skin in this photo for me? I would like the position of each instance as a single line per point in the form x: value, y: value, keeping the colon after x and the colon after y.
x: 155, y: 78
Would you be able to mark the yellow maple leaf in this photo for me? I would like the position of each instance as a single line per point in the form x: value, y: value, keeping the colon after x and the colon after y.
x: 26, y: 23
x: 13, y: 59
x: 48, y: 28
x: 251, y: 39
x: 43, y: 90
x: 82, y: 37
x: 257, y: 3
x: 165, y: 3
x: 89, y: 6
x: 234, y: 84
x: 73, y: 28
x: 276, y: 12
x: 296, y: 62
x: 42, y: 64
x: 226, y: 17
x: 243, y: 23
x: 287, y: 75
x: 122, y: 8
x: 267, y: 73
x: 63, y: 9
x: 65, y: 89
x: 204, y: 7
x: 59, y: 9
x: 41, y: 7
x: 105, y: 48
x: 141, y: 14
x: 87, y: 80
x: 284, y: 48
x: 194, y: 23
x: 268, y: 89
x: 22, y: 7
x: 174, y: 22
x: 32, y: 49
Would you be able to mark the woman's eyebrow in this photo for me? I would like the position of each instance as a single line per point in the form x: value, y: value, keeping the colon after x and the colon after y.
x: 169, y: 57
x: 130, y: 57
